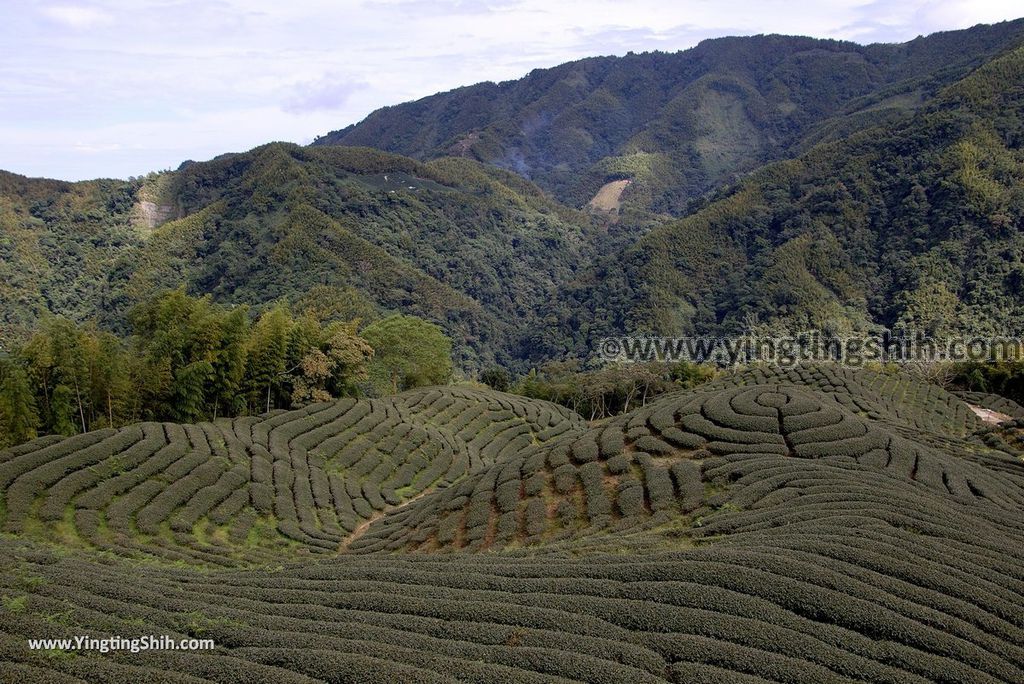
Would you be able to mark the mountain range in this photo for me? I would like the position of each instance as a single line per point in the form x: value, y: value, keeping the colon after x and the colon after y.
x: 789, y: 181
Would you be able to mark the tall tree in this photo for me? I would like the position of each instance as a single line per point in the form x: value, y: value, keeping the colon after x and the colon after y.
x: 62, y: 411
x: 229, y: 363
x: 110, y: 381
x: 18, y: 417
x: 58, y: 358
x: 267, y: 362
x: 407, y: 352
x: 334, y: 368
x: 180, y: 339
x: 497, y: 378
x: 190, y: 384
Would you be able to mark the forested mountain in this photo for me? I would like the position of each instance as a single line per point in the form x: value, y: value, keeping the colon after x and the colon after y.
x: 915, y: 224
x: 472, y: 247
x: 678, y: 124
x: 898, y: 201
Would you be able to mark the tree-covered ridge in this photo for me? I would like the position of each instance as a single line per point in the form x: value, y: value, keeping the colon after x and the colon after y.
x: 59, y: 244
x: 678, y: 124
x: 908, y: 220
x: 494, y: 242
x: 470, y: 247
x: 916, y: 224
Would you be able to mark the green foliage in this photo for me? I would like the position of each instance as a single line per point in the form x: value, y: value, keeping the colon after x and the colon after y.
x: 911, y: 224
x: 75, y: 372
x: 611, y: 390
x: 58, y: 243
x: 190, y: 382
x: 228, y: 364
x: 267, y: 358
x: 19, y: 419
x: 337, y: 369
x: 497, y: 378
x: 408, y: 352
x: 61, y: 418
x: 901, y: 207
x: 178, y: 339
x: 688, y: 375
x: 342, y: 234
x: 1005, y: 378
x: 188, y: 359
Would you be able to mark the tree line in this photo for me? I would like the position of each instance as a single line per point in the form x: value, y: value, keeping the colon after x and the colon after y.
x: 597, y: 393
x: 190, y: 359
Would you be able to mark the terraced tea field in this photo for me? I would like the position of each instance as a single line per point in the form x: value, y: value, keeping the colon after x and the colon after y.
x: 813, y: 525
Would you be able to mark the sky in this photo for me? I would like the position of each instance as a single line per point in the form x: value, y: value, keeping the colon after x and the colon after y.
x: 119, y: 88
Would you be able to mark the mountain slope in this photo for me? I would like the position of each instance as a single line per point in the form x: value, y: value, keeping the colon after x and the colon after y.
x: 917, y: 224
x: 816, y: 524
x: 58, y: 242
x: 902, y: 207
x: 679, y: 124
x: 471, y: 247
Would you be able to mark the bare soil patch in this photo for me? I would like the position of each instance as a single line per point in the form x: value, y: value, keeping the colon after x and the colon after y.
x: 609, y: 197
x: 989, y: 416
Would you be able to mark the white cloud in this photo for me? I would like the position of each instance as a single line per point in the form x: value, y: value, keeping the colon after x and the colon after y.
x: 332, y: 92
x: 76, y: 17
x: 94, y: 148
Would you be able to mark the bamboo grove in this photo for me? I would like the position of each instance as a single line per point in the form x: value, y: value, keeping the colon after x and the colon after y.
x: 188, y: 359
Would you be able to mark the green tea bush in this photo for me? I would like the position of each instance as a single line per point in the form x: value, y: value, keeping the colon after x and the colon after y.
x: 585, y: 451
x: 658, y: 483
x: 611, y: 442
x: 566, y: 478
x: 592, y: 477
x: 536, y: 517
x: 630, y: 497
x: 617, y: 465
x: 840, y: 547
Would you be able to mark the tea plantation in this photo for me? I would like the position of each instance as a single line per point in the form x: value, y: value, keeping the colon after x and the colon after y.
x: 812, y: 525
